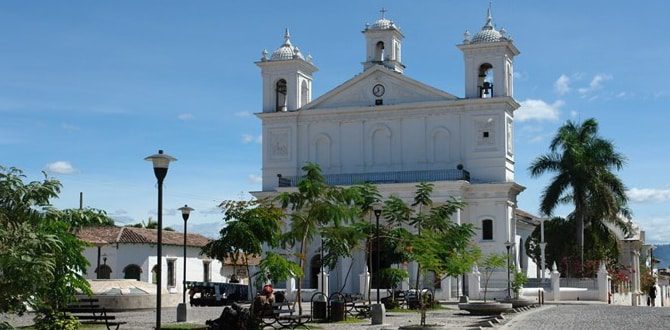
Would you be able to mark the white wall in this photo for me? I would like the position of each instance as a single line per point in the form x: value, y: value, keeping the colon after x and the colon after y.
x: 144, y: 255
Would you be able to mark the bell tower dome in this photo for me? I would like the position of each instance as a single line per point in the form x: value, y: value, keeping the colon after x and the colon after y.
x: 489, y: 61
x: 383, y: 41
x: 287, y: 77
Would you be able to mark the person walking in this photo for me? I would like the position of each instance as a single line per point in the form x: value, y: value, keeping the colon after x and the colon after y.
x: 652, y: 295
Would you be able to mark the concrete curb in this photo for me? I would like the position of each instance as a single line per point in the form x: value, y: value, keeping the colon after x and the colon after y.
x: 516, y: 319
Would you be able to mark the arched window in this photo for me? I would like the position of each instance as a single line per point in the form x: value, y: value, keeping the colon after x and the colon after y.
x: 281, y: 91
x: 379, y: 51
x: 441, y: 152
x: 322, y: 151
x: 485, y: 81
x: 381, y: 147
x: 103, y: 272
x: 304, y: 93
x: 487, y: 229
x: 315, y: 270
x: 154, y: 274
x: 132, y: 271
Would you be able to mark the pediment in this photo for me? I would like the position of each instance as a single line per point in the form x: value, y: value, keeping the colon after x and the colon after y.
x: 358, y: 91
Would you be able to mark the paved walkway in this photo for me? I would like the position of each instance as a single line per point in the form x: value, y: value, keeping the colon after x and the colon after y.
x: 145, y: 319
x: 592, y: 317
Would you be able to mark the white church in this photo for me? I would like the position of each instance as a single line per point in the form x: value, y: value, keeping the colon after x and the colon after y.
x: 382, y: 126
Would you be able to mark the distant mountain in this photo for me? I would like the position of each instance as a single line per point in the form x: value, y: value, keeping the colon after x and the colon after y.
x: 662, y: 253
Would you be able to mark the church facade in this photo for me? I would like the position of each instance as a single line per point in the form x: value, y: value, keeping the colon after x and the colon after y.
x: 384, y: 127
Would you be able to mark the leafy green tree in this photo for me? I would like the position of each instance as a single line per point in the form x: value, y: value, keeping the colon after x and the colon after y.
x: 249, y: 226
x: 559, y: 234
x: 584, y: 163
x: 315, y: 205
x: 438, y: 244
x: 490, y: 264
x: 41, y: 259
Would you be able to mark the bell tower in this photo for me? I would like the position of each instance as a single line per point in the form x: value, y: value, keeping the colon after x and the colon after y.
x: 383, y: 41
x: 287, y: 78
x: 489, y: 62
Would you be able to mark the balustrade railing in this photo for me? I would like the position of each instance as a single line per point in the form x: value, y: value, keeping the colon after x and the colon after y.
x: 384, y: 177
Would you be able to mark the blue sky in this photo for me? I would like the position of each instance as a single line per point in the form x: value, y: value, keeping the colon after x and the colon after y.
x: 88, y: 89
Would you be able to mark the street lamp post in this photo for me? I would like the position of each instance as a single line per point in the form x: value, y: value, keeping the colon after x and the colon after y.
x: 377, y: 311
x: 378, y: 212
x: 508, y: 245
x: 160, y: 162
x: 181, y: 308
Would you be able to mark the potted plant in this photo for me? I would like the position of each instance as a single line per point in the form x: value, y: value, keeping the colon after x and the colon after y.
x: 519, y: 279
x: 490, y: 264
x: 392, y: 277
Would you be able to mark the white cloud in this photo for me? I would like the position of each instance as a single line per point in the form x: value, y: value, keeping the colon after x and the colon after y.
x: 255, y: 179
x: 211, y: 210
x: 248, y: 138
x: 574, y: 114
x: 656, y: 228
x: 60, y: 167
x: 538, y: 110
x: 645, y: 195
x: 539, y: 138
x: 596, y: 84
x: 69, y: 127
x: 243, y: 114
x: 521, y: 76
x: 562, y: 85
x: 165, y: 212
x: 185, y: 116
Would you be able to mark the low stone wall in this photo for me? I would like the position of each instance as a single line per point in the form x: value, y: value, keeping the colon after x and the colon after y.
x: 136, y: 301
x: 621, y: 299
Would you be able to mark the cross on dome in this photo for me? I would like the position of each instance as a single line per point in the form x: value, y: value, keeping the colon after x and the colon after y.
x: 287, y: 37
x: 488, y: 32
x: 383, y: 11
x: 489, y: 18
x: 285, y: 52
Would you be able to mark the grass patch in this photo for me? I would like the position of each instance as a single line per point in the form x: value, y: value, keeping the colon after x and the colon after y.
x: 183, y: 326
x: 351, y: 320
x: 82, y: 326
x: 403, y: 310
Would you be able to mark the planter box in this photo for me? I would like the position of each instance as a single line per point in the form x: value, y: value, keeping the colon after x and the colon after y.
x: 487, y: 308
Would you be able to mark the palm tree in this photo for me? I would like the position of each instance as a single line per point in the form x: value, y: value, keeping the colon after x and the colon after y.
x: 583, y: 162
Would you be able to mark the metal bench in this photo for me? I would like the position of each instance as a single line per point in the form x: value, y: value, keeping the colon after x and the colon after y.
x: 87, y: 311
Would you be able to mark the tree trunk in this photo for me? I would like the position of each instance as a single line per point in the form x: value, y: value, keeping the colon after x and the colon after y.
x: 579, y: 217
x: 302, y: 267
x: 250, y: 294
x: 418, y: 266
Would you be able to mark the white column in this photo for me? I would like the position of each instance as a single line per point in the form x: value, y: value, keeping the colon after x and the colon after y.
x: 555, y: 282
x: 445, y: 288
x: 404, y: 284
x: 364, y: 282
x: 603, y: 283
x: 290, y: 288
x: 474, y: 283
x: 542, y: 260
x: 322, y: 281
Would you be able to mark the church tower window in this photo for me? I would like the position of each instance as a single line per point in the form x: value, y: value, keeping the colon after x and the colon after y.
x: 280, y: 92
x: 304, y: 93
x: 379, y: 51
x: 485, y: 82
x: 487, y: 230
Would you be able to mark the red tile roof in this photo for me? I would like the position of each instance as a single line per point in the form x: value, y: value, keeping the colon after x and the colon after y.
x: 111, y: 235
x: 132, y: 235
